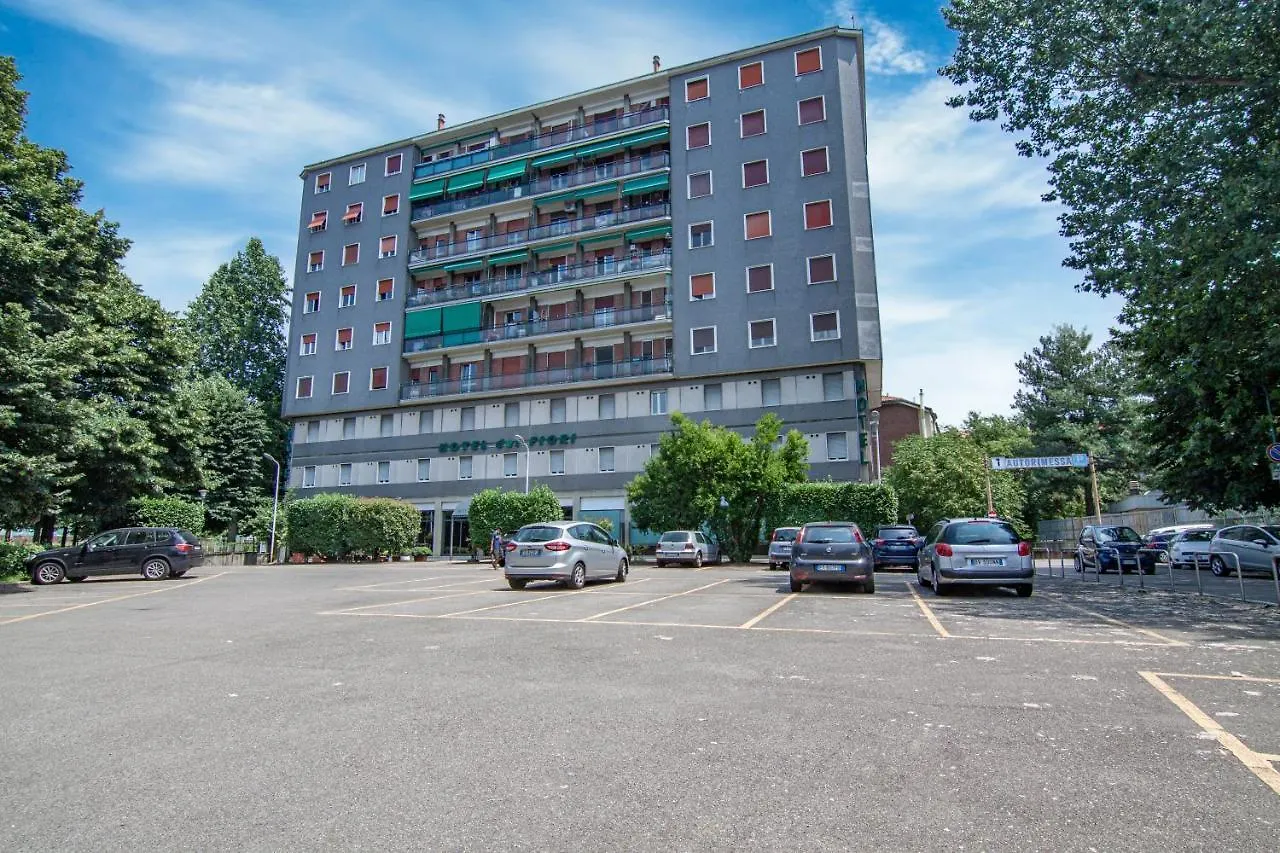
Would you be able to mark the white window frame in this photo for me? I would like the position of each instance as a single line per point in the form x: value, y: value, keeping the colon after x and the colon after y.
x: 831, y: 214
x: 719, y: 386
x: 387, y: 342
x: 395, y: 246
x: 396, y: 196
x: 344, y: 254
x: 693, y: 298
x: 715, y: 340
x: 808, y: 275
x: 613, y: 455
x: 705, y: 97
x: 825, y: 398
x: 337, y: 341
x: 514, y: 460
x: 345, y: 421
x: 764, y: 114
x: 354, y: 291
x: 309, y: 473
x: 746, y: 273
x: 391, y: 294
x: 687, y: 146
x: 379, y: 469
x: 613, y: 400
x: 772, y: 343
x: 800, y: 121
x: 826, y: 439
x: 387, y: 368
x: 328, y: 184
x: 386, y: 166
x: 551, y: 463
x: 710, y: 222
x: 753, y: 186
x: 656, y: 397
x: 418, y: 473
x: 742, y: 88
x: 711, y: 188
x: 753, y: 213
x: 315, y: 267
x: 305, y: 302
x: 471, y: 463
x: 297, y: 388
x: 763, y: 402
x: 826, y: 156
x: 333, y: 382
x: 360, y: 169
x: 359, y: 206
x: 795, y: 61
x: 346, y: 474
x: 817, y: 340
x: 302, y: 343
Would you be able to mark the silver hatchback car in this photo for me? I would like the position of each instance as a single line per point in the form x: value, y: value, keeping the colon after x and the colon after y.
x: 571, y: 552
x: 686, y: 546
x: 978, y: 551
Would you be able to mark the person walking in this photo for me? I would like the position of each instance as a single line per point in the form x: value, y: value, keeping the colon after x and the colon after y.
x: 496, y: 549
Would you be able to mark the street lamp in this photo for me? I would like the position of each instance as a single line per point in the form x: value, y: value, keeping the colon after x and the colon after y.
x: 275, y: 502
x: 525, y: 445
x: 873, y: 421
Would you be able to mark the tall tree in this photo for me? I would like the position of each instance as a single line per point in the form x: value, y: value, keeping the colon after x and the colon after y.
x: 233, y: 433
x: 1160, y: 122
x: 945, y: 476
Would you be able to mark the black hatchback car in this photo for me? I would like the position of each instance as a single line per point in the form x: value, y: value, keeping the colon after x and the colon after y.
x: 896, y: 545
x: 155, y: 553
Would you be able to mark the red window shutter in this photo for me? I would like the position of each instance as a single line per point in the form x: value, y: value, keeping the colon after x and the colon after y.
x: 385, y: 286
x: 351, y: 253
x: 750, y: 75
x: 753, y: 123
x: 822, y: 268
x: 755, y: 174
x: 381, y: 327
x: 812, y: 109
x: 315, y: 258
x: 817, y: 214
x: 759, y: 279
x: 395, y: 163
x: 603, y: 302
x: 304, y: 386
x: 390, y: 204
x: 322, y: 181
x: 388, y: 245
x: 353, y: 212
x: 699, y: 135
x: 344, y: 336
x: 813, y: 162
x: 702, y: 285
x: 379, y: 378
x: 309, y: 339
x: 808, y: 61
x: 695, y: 90
x: 758, y: 225
x: 318, y: 220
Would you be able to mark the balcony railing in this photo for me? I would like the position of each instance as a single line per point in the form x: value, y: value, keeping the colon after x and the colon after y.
x: 550, y: 139
x: 563, y: 228
x: 600, y: 269
x: 556, y: 376
x: 601, y: 318
x: 603, y: 172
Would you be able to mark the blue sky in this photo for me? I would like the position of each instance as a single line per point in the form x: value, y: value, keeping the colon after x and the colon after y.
x: 189, y: 123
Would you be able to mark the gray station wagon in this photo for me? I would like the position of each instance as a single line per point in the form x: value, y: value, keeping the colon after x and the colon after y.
x: 975, y: 551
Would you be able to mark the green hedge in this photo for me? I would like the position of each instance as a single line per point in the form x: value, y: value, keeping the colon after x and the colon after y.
x: 339, y: 526
x: 509, y: 511
x: 12, y: 555
x: 379, y: 526
x: 167, y: 512
x: 868, y: 504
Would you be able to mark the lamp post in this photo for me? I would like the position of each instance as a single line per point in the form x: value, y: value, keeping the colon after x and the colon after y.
x: 525, y: 445
x: 873, y: 421
x: 275, y: 503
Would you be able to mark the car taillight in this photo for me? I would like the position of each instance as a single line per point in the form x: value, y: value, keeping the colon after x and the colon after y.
x: 688, y: 546
x: 799, y: 537
x: 1024, y: 549
x: 511, y: 546
x: 879, y: 542
x: 557, y: 546
x: 183, y: 547
x: 942, y: 549
x: 857, y: 536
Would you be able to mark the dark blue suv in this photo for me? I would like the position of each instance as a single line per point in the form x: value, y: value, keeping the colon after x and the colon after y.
x: 896, y: 545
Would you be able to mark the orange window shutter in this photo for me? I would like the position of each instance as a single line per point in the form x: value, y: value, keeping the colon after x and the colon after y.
x: 344, y: 335
x: 390, y: 204
x: 750, y: 75
x: 702, y: 285
x: 809, y: 61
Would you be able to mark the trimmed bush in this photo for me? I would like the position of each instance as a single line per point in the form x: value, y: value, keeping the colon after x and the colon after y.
x: 377, y: 526
x: 318, y: 526
x: 868, y: 504
x: 167, y: 512
x: 12, y: 555
x: 509, y: 511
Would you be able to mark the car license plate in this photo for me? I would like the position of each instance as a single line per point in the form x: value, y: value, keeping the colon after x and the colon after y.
x: 828, y: 567
x: 530, y: 552
x: 986, y: 561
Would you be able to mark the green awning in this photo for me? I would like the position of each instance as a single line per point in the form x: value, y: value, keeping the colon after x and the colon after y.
x: 596, y: 192
x: 461, y: 266
x: 419, y: 324
x: 640, y: 185
x: 457, y: 318
x: 558, y: 198
x: 646, y: 234
x: 552, y: 159
x: 607, y: 147
x: 509, y: 258
x: 513, y: 169
x: 430, y: 189
x: 558, y: 247
x: 466, y: 181
x: 648, y: 137
x: 591, y: 241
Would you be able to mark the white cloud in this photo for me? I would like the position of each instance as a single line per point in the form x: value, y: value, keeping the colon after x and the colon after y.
x: 898, y: 309
x: 886, y: 46
x: 173, y: 265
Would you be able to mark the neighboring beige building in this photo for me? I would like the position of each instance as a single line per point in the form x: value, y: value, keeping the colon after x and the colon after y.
x: 900, y: 418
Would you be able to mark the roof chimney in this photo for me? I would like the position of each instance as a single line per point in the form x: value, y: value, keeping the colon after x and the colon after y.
x: 440, y: 122
x: 657, y: 63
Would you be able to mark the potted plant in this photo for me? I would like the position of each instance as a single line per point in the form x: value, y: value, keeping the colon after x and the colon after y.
x: 420, y: 552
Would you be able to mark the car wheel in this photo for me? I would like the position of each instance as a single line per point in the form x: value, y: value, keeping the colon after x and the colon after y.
x: 1079, y: 564
x: 939, y: 588
x: 796, y: 585
x: 74, y: 579
x: 155, y: 569
x: 517, y: 583
x: 621, y: 576
x: 1219, y: 567
x: 578, y: 579
x: 869, y: 587
x: 773, y: 567
x: 48, y: 573
x: 697, y: 560
x: 1024, y: 590
x: 662, y: 564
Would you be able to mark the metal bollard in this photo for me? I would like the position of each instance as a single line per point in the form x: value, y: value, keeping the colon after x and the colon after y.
x: 1172, y: 586
x: 1239, y: 573
x: 1275, y: 576
x: 1199, y: 584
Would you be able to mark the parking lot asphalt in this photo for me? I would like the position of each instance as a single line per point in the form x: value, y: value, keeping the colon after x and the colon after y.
x: 428, y: 707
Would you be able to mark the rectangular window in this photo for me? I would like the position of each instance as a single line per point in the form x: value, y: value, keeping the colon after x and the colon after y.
x: 606, y: 459
x: 311, y: 303
x: 760, y: 279
x: 303, y: 391
x: 702, y: 286
x: 387, y: 247
x: 424, y: 470
x: 813, y: 162
x: 699, y: 184
x: 344, y: 474
x: 391, y: 204
x: 350, y: 254
x: 701, y: 235
x: 559, y: 410
x: 511, y: 415
x: 696, y: 90
x: 323, y: 181
x: 697, y: 135
x: 309, y: 477
x: 752, y: 123
x: 378, y: 379
x: 341, y: 382
x: 381, y: 333
x: 319, y: 221
x: 342, y: 340
x: 387, y: 426
x: 426, y: 422
x: 315, y: 261
x: 395, y: 165
x: 308, y: 346
x: 348, y: 427
x: 751, y: 74
x: 313, y: 432
x: 510, y: 462
x: 758, y: 225
x: 761, y: 333
x: 832, y: 387
x: 464, y: 467
x: 711, y: 397
x: 657, y: 402
x: 608, y: 407
x: 703, y: 340
x: 468, y: 417
x: 386, y: 289
x: 824, y: 326
x: 354, y: 214
x: 808, y: 61
x: 817, y: 214
x: 822, y: 268
x: 837, y: 446
x: 347, y: 296
x: 557, y: 462
x: 755, y: 173
x: 357, y: 175
x: 812, y: 110
x: 771, y: 392
x: 384, y: 472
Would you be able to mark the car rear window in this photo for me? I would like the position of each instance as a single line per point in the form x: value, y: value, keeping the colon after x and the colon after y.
x: 1197, y: 536
x: 537, y: 534
x: 187, y: 536
x: 827, y: 535
x: 785, y: 534
x: 674, y: 537
x: 980, y: 533
x: 896, y: 533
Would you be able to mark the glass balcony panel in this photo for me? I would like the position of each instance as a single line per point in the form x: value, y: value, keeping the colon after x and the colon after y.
x: 534, y: 379
x: 603, y: 318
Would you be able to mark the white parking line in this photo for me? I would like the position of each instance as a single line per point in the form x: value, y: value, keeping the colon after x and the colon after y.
x: 652, y: 601
x: 166, y: 588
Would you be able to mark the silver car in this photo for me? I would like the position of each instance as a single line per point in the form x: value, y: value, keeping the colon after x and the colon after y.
x: 780, y: 544
x: 686, y: 546
x: 572, y: 552
x: 1254, y: 545
x: 980, y: 551
x: 1189, y: 547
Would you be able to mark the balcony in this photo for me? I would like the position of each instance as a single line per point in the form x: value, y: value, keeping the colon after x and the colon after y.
x: 534, y: 379
x: 601, y: 318
x: 551, y: 139
x: 564, y: 228
x: 545, y: 279
x: 541, y: 186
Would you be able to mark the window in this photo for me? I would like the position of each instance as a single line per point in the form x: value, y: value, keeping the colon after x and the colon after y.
x: 696, y: 90
x: 711, y: 397
x: 311, y: 303
x: 758, y: 225
x: 354, y: 214
x: 323, y: 180
x: 606, y: 459
x: 468, y: 417
x: 303, y: 390
x: 699, y: 184
x: 813, y: 110
x: 813, y: 162
x: 319, y: 221
x: 315, y: 261
x: 703, y: 340
x: 751, y: 74
x: 350, y: 254
x: 308, y: 346
x: 313, y: 431
x: 387, y: 426
x: 608, y: 407
x: 391, y: 204
x: 384, y: 472
x: 837, y: 446
x: 761, y: 333
x: 342, y: 340
x: 701, y: 235
x: 824, y: 326
x: 557, y: 462
x: 822, y: 268
x: 832, y: 387
x: 808, y: 61
x: 426, y: 421
x: 357, y: 175
x: 511, y: 415
x: 559, y: 410
x: 755, y: 173
x: 510, y: 462
x: 381, y: 333
x: 817, y: 214
x: 771, y: 392
x: 309, y: 477
x: 386, y: 289
x: 702, y: 286
x: 424, y: 470
x: 387, y: 247
x: 657, y: 402
x: 760, y: 279
x: 342, y: 382
x: 752, y: 123
x: 697, y: 135
x: 395, y: 165
x: 344, y: 474
x: 348, y: 427
x: 464, y: 467
x: 347, y: 296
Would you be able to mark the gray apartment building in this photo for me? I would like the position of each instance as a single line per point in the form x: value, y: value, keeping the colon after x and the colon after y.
x: 531, y: 294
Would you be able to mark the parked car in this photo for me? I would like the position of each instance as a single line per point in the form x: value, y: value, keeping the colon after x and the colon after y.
x: 1189, y: 547
x: 975, y: 551
x: 1107, y: 547
x: 832, y: 552
x: 686, y: 546
x: 1159, y: 538
x: 780, y: 543
x: 1253, y: 544
x: 155, y: 553
x: 896, y: 545
x: 571, y: 552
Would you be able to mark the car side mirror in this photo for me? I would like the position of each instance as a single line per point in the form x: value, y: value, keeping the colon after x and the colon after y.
x: 613, y: 542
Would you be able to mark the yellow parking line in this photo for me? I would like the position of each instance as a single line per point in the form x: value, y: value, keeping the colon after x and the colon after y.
x: 377, y: 587
x: 1268, y: 757
x: 1257, y: 764
x: 1248, y: 678
x: 652, y: 601
x: 1067, y: 640
x: 928, y: 612
x: 778, y: 605
x: 1121, y: 623
x: 165, y: 588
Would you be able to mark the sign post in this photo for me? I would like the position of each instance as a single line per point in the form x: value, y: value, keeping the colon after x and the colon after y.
x: 1072, y: 460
